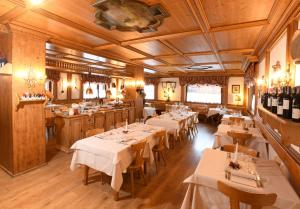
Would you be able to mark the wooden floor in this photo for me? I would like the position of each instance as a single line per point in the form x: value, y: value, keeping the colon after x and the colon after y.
x: 55, y: 186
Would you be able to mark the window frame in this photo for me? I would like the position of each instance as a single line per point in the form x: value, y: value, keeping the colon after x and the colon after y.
x: 83, y: 91
x: 186, y: 93
x: 154, y: 91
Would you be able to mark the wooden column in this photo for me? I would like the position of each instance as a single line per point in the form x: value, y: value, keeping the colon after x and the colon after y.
x: 22, y: 130
x: 183, y: 93
x: 131, y: 92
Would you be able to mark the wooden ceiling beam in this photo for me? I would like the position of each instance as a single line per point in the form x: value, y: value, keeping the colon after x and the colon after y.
x: 162, y: 37
x: 199, y: 64
x: 239, y: 26
x: 104, y: 46
x: 236, y: 51
x: 72, y: 24
x: 12, y: 14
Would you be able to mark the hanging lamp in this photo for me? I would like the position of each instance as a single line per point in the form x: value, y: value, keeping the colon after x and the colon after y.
x: 89, y: 90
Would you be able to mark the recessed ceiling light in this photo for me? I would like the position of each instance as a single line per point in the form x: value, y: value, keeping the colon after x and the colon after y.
x: 36, y: 2
x: 146, y: 70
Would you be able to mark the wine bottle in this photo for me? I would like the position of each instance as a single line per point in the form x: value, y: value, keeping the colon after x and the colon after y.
x: 287, y: 103
x: 270, y: 100
x: 280, y: 101
x: 296, y: 106
x: 265, y: 104
x: 274, y: 101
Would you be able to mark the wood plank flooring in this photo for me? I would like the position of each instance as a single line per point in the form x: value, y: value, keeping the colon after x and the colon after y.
x: 56, y: 186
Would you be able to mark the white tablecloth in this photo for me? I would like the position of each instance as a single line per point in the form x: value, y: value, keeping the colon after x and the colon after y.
x: 257, y: 142
x: 110, y: 152
x: 248, y: 120
x: 149, y: 112
x: 170, y: 121
x: 213, y: 111
x: 202, y: 191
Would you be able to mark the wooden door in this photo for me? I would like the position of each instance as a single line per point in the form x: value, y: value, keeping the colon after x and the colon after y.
x: 99, y: 121
x: 76, y: 127
x: 109, y: 120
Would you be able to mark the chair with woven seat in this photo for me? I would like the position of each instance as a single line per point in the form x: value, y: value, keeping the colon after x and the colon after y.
x: 94, y: 132
x: 195, y: 122
x: 190, y: 126
x: 137, y: 164
x: 242, y: 149
x: 159, y: 150
x: 172, y: 137
x: 239, y: 137
x: 257, y: 201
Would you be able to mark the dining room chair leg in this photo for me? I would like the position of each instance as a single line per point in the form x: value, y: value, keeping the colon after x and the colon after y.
x: 155, y: 161
x: 86, y: 175
x: 143, y: 176
x: 132, y: 183
x: 116, y: 195
x: 163, y: 157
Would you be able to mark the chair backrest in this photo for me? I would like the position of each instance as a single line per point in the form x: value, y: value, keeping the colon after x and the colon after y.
x: 236, y: 120
x: 94, y: 132
x: 242, y: 149
x: 239, y: 137
x: 161, y: 136
x: 257, y: 201
x: 138, y: 153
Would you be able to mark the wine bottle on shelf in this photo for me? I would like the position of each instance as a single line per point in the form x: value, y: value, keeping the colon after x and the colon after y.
x: 287, y: 103
x: 280, y: 101
x: 270, y: 100
x: 265, y: 96
x: 274, y: 100
x: 296, y: 105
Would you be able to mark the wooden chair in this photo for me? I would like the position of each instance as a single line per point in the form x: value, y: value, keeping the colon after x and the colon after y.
x: 239, y: 137
x: 94, y: 132
x: 182, y: 130
x: 190, y: 126
x: 245, y: 150
x: 172, y: 137
x: 236, y: 120
x: 159, y: 150
x: 137, y: 163
x: 257, y: 201
x: 195, y: 122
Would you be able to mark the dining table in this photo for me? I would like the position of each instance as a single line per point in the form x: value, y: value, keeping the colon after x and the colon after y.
x: 110, y: 152
x: 217, y: 110
x: 247, y: 119
x: 171, y: 120
x: 149, y: 112
x: 254, y: 176
x: 256, y: 142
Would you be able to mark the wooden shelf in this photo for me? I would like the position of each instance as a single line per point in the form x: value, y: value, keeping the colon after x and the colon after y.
x: 21, y: 102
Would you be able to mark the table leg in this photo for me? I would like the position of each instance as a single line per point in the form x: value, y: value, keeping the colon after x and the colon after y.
x: 86, y: 175
x: 116, y: 195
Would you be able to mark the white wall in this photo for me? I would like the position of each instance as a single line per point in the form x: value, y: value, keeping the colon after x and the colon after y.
x: 176, y: 96
x: 235, y: 81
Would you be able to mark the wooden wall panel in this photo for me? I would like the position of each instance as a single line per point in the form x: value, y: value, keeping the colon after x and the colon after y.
x: 6, y: 122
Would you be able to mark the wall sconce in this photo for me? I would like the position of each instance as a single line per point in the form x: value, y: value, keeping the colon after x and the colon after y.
x: 261, y: 83
x: 168, y: 87
x: 280, y: 77
x: 74, y: 84
x: 32, y: 77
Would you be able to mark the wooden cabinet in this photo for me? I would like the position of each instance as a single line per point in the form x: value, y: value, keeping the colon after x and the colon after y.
x: 88, y: 123
x: 69, y: 130
x: 118, y: 116
x: 99, y: 120
x: 131, y: 115
x: 109, y: 120
x: 125, y: 114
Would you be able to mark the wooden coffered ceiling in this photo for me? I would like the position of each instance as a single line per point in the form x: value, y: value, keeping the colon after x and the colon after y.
x: 224, y: 34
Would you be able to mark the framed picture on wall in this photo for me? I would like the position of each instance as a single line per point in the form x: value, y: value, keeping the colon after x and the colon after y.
x: 236, y: 89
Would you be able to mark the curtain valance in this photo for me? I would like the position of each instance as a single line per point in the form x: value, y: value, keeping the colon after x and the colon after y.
x: 213, y: 80
x: 95, y: 78
x: 153, y: 81
x: 250, y: 75
x: 53, y: 75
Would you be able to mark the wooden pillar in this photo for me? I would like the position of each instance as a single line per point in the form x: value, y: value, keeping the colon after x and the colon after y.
x: 22, y: 127
x: 156, y: 92
x: 183, y: 93
x: 131, y: 92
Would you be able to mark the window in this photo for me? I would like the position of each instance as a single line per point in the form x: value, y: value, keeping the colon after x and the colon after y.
x: 204, y: 94
x: 98, y: 90
x: 149, y: 91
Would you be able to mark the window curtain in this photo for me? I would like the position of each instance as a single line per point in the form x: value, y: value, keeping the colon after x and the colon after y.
x: 53, y: 75
x: 96, y: 79
x: 152, y: 81
x: 213, y: 80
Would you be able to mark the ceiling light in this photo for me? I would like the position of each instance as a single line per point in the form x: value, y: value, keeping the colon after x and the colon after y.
x: 36, y: 2
x: 146, y: 70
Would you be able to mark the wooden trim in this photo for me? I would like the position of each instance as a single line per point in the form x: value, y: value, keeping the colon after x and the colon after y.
x: 240, y: 25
